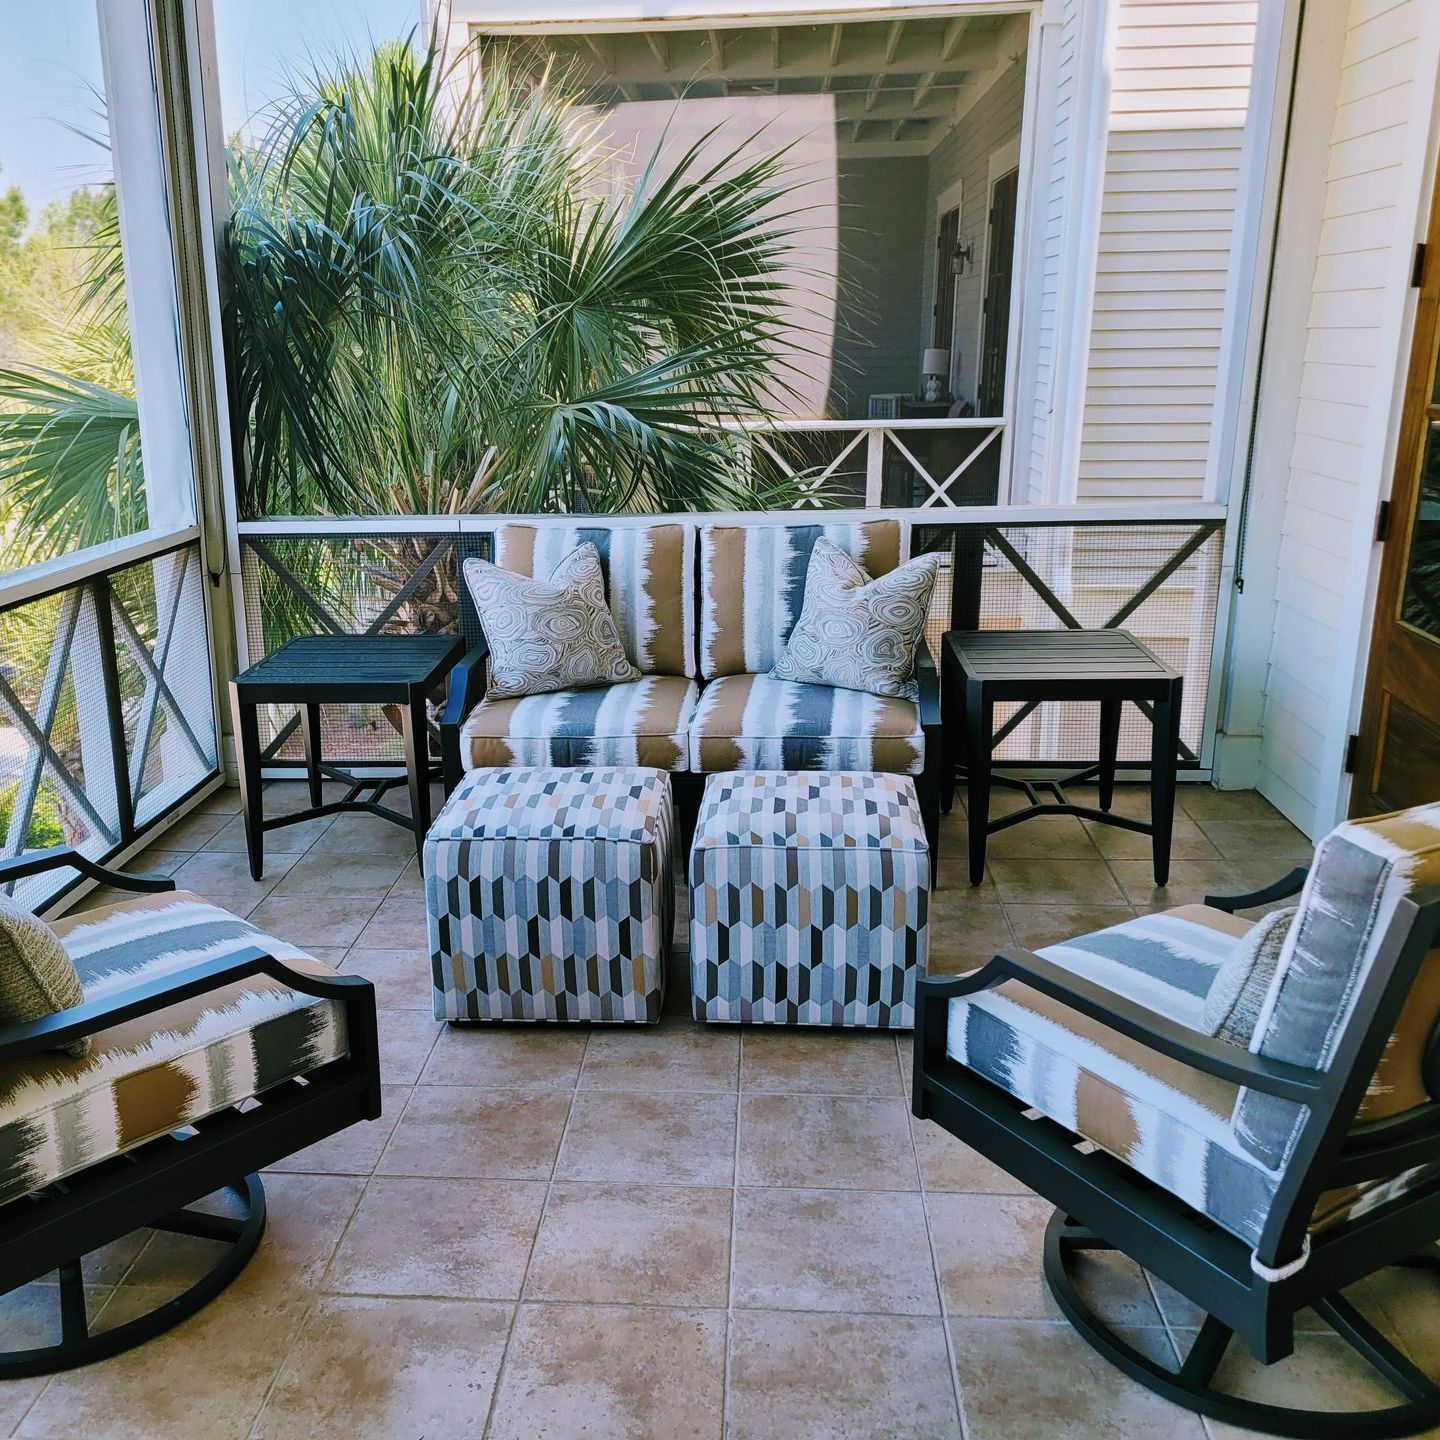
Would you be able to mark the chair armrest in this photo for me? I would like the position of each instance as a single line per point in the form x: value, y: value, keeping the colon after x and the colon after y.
x: 466, y: 686
x: 54, y: 1031
x: 928, y: 679
x: 1155, y: 1032
x: 1292, y: 884
x: 21, y: 867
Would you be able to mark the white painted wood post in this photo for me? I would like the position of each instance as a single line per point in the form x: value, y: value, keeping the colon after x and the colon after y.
x: 875, y: 466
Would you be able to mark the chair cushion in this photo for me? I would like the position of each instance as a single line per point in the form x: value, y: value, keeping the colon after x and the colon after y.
x: 752, y: 584
x: 37, y: 977
x: 1233, y: 1006
x: 646, y: 722
x: 1362, y: 871
x: 551, y: 634
x: 155, y: 1074
x: 1162, y: 1118
x: 648, y: 569
x: 856, y: 632
x: 755, y: 722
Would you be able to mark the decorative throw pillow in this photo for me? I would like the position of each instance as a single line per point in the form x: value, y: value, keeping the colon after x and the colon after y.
x: 1235, y: 997
x: 857, y: 633
x: 37, y: 977
x: 555, y: 634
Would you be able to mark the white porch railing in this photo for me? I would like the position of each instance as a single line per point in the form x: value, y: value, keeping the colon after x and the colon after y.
x: 886, y: 449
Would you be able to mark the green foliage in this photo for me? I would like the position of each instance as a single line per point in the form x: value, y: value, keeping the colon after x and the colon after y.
x: 438, y: 300
x: 45, y: 827
x: 441, y: 303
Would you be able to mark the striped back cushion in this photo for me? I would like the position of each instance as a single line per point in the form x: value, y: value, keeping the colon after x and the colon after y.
x: 648, y: 572
x: 752, y: 584
x: 1362, y: 870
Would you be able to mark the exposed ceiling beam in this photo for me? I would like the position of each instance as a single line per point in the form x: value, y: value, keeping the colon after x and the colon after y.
x: 837, y: 36
x: 605, y: 57
x: 954, y: 31
x: 872, y: 94
x: 892, y: 40
x: 927, y: 83
x: 898, y: 128
x: 659, y: 48
x: 775, y: 56
x: 717, y: 46
x: 894, y: 105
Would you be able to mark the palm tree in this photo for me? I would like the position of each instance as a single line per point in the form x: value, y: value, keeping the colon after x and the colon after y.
x: 438, y: 301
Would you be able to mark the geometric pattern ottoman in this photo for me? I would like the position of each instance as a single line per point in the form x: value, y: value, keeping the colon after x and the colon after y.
x: 809, y: 892
x: 549, y: 895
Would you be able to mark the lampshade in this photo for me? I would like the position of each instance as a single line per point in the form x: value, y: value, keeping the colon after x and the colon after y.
x: 935, y: 362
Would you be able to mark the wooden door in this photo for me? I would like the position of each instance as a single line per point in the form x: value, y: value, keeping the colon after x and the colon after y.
x: 942, y: 326
x: 1397, y: 758
x: 999, y: 265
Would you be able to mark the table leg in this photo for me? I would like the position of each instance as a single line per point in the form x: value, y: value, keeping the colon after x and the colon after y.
x: 247, y: 762
x: 310, y: 730
x: 416, y: 732
x: 1164, y: 761
x: 948, y: 723
x: 979, y: 730
x: 1109, y: 745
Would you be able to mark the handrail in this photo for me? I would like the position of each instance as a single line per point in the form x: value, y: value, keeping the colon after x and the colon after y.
x: 34, y: 582
x: 1156, y: 513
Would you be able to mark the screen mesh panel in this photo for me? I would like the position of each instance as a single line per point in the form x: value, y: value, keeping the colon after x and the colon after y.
x: 394, y: 584
x: 70, y: 682
x: 1161, y: 582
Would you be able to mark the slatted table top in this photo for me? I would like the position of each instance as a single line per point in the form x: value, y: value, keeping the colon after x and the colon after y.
x: 1045, y: 657
x: 359, y: 667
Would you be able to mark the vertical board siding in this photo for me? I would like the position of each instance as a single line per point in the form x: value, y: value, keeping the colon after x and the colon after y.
x: 1179, y: 96
x: 1345, y: 382
x: 1054, y: 161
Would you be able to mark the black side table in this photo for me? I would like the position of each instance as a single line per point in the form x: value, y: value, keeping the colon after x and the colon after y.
x: 317, y: 670
x: 983, y: 667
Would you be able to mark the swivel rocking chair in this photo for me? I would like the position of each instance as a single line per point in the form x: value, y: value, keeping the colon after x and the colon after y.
x: 1252, y: 1114
x: 194, y: 1050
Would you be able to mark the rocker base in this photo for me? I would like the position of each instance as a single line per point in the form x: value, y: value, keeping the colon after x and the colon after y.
x: 1190, y: 1387
x: 241, y: 1235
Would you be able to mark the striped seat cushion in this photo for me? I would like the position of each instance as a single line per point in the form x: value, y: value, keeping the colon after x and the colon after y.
x: 755, y: 722
x: 752, y: 585
x: 648, y: 569
x: 155, y: 1074
x: 645, y: 722
x: 1169, y: 1122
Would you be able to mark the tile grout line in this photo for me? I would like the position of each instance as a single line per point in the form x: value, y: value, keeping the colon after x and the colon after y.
x: 951, y: 1357
x: 519, y: 1300
x: 734, y: 1228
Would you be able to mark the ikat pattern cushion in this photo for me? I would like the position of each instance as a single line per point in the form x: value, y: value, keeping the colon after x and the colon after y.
x: 857, y: 633
x: 1232, y: 1008
x: 649, y: 579
x: 752, y: 584
x: 544, y: 635
x: 37, y: 978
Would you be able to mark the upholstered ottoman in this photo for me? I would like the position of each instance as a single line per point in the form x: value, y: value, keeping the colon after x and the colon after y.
x: 549, y: 895
x: 808, y: 899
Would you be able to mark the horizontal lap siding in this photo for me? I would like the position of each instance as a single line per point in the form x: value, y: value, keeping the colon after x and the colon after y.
x: 1345, y: 381
x: 1178, y: 101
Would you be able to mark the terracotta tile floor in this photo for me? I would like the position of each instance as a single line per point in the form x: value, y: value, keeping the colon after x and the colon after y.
x: 669, y: 1232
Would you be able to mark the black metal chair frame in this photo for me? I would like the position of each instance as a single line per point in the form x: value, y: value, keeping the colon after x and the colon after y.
x: 152, y: 1185
x: 467, y: 690
x: 1104, y: 1204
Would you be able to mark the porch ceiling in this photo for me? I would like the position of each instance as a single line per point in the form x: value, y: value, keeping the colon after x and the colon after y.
x: 897, y: 83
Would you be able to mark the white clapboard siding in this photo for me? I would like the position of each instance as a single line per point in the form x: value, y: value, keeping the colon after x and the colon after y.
x: 1054, y: 162
x: 1346, y: 380
x: 1179, y: 96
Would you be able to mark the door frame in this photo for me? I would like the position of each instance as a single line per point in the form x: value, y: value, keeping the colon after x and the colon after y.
x: 952, y: 197
x: 1411, y: 421
x: 1001, y: 162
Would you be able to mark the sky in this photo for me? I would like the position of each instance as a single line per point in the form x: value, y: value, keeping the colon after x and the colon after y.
x: 50, y: 77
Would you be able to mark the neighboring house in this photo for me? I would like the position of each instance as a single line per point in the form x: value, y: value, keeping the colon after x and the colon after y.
x: 1215, y: 210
